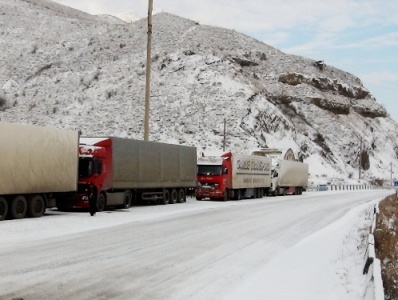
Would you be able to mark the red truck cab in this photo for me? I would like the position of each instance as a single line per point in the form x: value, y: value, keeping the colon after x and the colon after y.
x: 94, y: 161
x: 214, y: 177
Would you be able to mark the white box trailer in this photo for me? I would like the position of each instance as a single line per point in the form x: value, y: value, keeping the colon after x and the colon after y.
x: 233, y: 176
x: 288, y: 177
x: 36, y: 163
x: 250, y: 171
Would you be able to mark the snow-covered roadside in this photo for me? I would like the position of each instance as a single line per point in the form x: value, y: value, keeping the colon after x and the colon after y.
x: 326, y: 265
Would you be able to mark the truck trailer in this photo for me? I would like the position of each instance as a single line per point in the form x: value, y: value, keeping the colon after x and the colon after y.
x: 37, y: 165
x: 288, y: 177
x: 233, y: 176
x: 119, y: 172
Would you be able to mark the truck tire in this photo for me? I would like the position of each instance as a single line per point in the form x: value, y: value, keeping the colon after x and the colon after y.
x: 182, y: 197
x: 127, y: 198
x: 101, y: 202
x: 3, y: 208
x: 238, y: 194
x: 198, y: 198
x: 174, y: 196
x: 226, y: 195
x: 36, y: 206
x: 18, y: 207
x: 166, y: 197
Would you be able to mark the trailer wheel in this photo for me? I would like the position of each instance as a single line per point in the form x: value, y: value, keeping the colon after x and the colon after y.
x: 127, y: 198
x: 36, y: 206
x: 101, y: 202
x: 174, y: 196
x: 182, y: 197
x: 238, y: 194
x: 255, y: 193
x: 3, y: 208
x: 166, y: 197
x: 18, y: 207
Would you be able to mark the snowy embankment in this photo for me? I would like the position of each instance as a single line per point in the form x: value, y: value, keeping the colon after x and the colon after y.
x: 329, y: 264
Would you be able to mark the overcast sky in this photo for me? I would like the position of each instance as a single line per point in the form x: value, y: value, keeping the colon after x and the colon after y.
x: 358, y: 36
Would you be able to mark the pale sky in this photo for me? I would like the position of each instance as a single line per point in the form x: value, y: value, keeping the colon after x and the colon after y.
x: 357, y: 36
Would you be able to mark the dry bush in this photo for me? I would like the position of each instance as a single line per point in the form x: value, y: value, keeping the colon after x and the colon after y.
x: 386, y: 244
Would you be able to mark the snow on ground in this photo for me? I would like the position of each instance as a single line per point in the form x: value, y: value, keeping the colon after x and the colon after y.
x: 328, y: 264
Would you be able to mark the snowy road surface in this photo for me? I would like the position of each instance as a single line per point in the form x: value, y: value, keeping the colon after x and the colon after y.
x: 195, y: 250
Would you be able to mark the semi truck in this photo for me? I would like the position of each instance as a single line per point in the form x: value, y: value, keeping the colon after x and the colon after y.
x: 37, y: 165
x: 288, y: 177
x: 233, y: 176
x: 119, y: 172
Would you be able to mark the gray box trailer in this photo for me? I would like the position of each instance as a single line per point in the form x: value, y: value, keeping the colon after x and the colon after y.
x: 135, y: 170
x: 36, y: 164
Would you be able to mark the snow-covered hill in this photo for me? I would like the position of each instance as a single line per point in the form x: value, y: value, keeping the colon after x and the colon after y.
x: 65, y: 68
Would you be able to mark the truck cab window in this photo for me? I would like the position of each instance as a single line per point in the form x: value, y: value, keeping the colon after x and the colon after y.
x: 85, y: 166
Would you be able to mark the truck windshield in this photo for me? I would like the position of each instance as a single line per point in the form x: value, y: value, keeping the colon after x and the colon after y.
x: 89, y: 166
x: 209, y: 170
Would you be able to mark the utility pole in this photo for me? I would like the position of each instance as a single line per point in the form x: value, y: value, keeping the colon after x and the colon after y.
x: 391, y: 174
x: 225, y: 131
x: 148, y: 71
x: 360, y: 158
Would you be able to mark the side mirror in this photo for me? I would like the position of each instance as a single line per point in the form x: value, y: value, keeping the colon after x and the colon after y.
x: 225, y: 171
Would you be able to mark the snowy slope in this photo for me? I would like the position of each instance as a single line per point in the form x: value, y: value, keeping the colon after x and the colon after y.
x: 65, y: 68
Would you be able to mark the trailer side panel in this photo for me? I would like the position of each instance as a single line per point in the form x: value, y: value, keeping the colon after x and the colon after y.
x: 292, y: 173
x: 141, y: 164
x: 37, y: 159
x: 251, y: 171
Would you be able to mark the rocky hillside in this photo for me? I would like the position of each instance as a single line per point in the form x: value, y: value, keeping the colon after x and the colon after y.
x: 68, y: 69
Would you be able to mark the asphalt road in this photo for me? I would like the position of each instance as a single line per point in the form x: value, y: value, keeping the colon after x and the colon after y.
x: 194, y: 250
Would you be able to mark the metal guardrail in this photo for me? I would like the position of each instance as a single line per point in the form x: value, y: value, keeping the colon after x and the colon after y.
x: 347, y: 187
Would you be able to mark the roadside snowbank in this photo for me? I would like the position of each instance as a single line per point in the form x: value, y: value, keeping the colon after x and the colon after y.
x: 326, y: 265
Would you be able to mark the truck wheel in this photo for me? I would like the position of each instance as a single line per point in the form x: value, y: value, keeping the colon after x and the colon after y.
x: 127, y: 199
x: 174, y: 196
x: 101, y: 202
x: 18, y: 207
x: 238, y: 195
x: 3, y: 208
x: 225, y: 198
x: 166, y: 197
x: 36, y: 206
x: 255, y: 194
x: 198, y: 198
x: 181, y: 196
